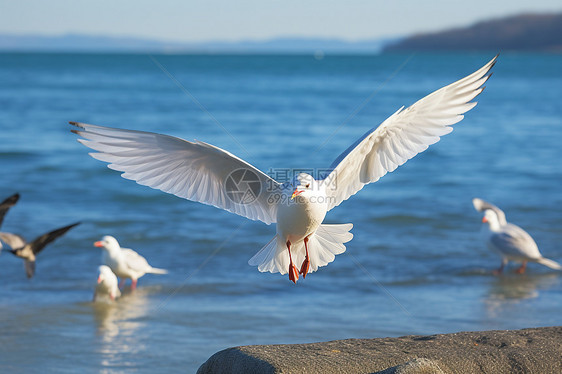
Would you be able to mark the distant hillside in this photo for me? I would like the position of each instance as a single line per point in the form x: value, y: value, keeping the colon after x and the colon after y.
x: 299, y: 45
x: 526, y: 32
x: 90, y: 43
x: 77, y: 42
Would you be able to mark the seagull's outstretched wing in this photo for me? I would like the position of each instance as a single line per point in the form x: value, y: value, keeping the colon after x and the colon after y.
x: 193, y: 170
x: 481, y: 205
x: 15, y: 241
x: 512, y: 240
x: 39, y: 243
x: 402, y: 136
x: 135, y: 261
x: 7, y: 204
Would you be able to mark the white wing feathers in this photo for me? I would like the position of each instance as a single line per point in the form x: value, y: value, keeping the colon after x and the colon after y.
x: 402, y: 136
x: 135, y: 261
x: 138, y: 263
x: 513, y: 241
x: 192, y: 170
x: 481, y: 205
x: 15, y: 241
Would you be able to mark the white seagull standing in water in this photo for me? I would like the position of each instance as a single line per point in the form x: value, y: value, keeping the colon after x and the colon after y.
x: 124, y: 262
x: 107, y: 284
x: 510, y: 241
x: 202, y: 172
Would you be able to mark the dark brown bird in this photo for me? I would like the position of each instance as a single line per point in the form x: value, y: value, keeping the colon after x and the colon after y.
x: 29, y: 251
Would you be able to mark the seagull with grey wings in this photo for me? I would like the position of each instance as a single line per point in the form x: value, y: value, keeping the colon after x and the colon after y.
x: 204, y: 173
x: 511, y: 242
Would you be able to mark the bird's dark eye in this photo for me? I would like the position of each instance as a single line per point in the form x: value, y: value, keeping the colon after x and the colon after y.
x: 307, y: 185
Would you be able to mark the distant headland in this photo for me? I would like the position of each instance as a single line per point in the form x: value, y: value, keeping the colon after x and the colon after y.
x: 525, y: 32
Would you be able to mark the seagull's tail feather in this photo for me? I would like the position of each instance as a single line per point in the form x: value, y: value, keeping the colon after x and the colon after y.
x: 157, y: 271
x: 29, y: 268
x: 327, y: 242
x: 551, y: 264
x: 323, y: 246
x: 270, y: 258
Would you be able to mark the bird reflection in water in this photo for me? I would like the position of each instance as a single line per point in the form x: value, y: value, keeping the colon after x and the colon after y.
x: 509, y: 290
x: 119, y: 325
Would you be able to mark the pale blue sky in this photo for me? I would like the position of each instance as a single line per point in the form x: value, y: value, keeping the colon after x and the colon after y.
x: 252, y: 19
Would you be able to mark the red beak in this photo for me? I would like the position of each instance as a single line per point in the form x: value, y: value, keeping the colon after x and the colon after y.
x: 484, y: 219
x: 99, y: 279
x: 296, y: 193
x: 98, y: 244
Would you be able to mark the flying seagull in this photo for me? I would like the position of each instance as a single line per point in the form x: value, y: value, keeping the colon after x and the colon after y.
x: 510, y: 241
x: 29, y: 251
x: 124, y: 262
x: 202, y: 172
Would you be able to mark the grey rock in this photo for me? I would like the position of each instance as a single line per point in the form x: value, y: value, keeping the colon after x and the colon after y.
x: 534, y: 350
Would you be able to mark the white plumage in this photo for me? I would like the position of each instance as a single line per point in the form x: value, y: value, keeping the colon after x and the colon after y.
x: 403, y: 135
x: 124, y: 262
x: 107, y: 285
x: 200, y: 172
x: 511, y: 242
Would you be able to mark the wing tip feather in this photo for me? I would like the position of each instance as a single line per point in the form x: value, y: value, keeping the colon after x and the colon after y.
x: 77, y: 124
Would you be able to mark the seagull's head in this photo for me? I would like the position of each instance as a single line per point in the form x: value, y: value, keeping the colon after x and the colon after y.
x: 105, y: 273
x: 107, y: 242
x: 491, y: 218
x: 305, y: 186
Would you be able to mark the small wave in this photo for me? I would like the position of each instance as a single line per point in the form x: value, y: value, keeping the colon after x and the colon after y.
x: 18, y: 154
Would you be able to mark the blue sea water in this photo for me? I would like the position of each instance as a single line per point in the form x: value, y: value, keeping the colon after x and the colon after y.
x: 415, y: 266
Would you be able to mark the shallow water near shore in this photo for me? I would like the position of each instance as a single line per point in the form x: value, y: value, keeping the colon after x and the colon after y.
x: 416, y: 264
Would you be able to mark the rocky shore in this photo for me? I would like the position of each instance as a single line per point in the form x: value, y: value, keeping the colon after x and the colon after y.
x: 534, y: 350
